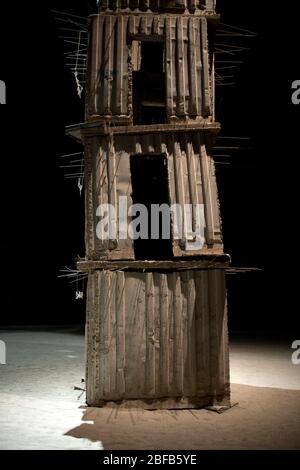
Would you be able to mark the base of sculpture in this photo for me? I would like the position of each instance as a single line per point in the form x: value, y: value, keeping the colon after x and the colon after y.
x: 157, y: 340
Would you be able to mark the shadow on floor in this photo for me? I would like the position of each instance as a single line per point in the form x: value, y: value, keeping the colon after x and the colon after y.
x: 265, y: 418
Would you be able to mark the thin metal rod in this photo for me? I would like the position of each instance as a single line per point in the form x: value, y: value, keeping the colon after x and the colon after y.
x: 71, y: 154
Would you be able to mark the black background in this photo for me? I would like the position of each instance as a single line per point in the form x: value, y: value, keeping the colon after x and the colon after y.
x: 42, y: 213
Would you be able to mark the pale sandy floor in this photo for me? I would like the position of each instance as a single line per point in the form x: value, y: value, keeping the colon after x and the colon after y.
x: 39, y: 408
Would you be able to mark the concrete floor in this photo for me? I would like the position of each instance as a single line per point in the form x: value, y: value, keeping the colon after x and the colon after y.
x: 39, y: 408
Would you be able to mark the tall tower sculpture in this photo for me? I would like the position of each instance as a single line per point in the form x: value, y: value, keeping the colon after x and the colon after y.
x: 156, y: 329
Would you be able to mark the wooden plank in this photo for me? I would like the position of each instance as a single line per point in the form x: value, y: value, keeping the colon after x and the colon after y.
x: 203, y: 334
x: 112, y: 339
x: 178, y: 336
x: 180, y: 64
x: 112, y: 189
x: 150, y: 337
x: 185, y: 334
x: 169, y: 69
x: 207, y: 196
x: 91, y: 75
x: 124, y: 70
x: 120, y: 334
x: 135, y: 335
x: 157, y: 334
x: 101, y: 303
x: 191, y: 333
x: 164, y: 335
x: 105, y: 353
x: 155, y: 25
x: 207, y: 262
x: 107, y: 68
x: 205, y: 67
x: 214, y: 340
x: 171, y: 333
x: 143, y: 25
x: 89, y: 201
x: 179, y: 182
x: 193, y: 108
x: 118, y: 67
x: 100, y: 65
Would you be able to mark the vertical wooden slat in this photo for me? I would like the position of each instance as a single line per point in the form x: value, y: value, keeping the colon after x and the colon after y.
x: 199, y: 66
x: 105, y: 294
x: 124, y: 71
x: 150, y: 338
x: 118, y: 67
x: 207, y: 197
x: 120, y: 333
x: 193, y: 108
x: 157, y: 334
x: 143, y: 25
x: 186, y: 391
x: 169, y: 68
x: 191, y: 177
x: 91, y: 69
x: 205, y: 65
x: 221, y: 331
x: 179, y: 182
x: 100, y: 60
x: 112, y: 340
x: 212, y: 293
x: 89, y: 200
x: 112, y: 187
x: 202, y: 333
x: 191, y: 333
x: 178, y: 335
x: 180, y: 109
x: 155, y: 25
x: 164, y: 335
x: 107, y: 65
x: 171, y: 333
x: 132, y: 25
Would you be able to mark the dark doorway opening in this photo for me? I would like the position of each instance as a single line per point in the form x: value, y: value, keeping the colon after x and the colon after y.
x: 148, y: 81
x: 149, y: 177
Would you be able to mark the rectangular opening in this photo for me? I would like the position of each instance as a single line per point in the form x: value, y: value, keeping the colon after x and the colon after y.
x: 149, y: 178
x: 148, y: 82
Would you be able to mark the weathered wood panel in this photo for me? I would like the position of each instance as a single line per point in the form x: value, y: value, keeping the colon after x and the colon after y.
x: 192, y: 181
x: 157, y: 335
x: 155, y: 5
x: 109, y: 75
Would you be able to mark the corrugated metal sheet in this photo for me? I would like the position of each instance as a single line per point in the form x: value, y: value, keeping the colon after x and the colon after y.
x: 109, y: 77
x: 191, y: 181
x: 155, y: 5
x: 155, y: 335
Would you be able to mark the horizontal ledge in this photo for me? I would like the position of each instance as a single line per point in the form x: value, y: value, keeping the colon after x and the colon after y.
x: 216, y: 262
x: 210, y: 15
x: 78, y: 131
